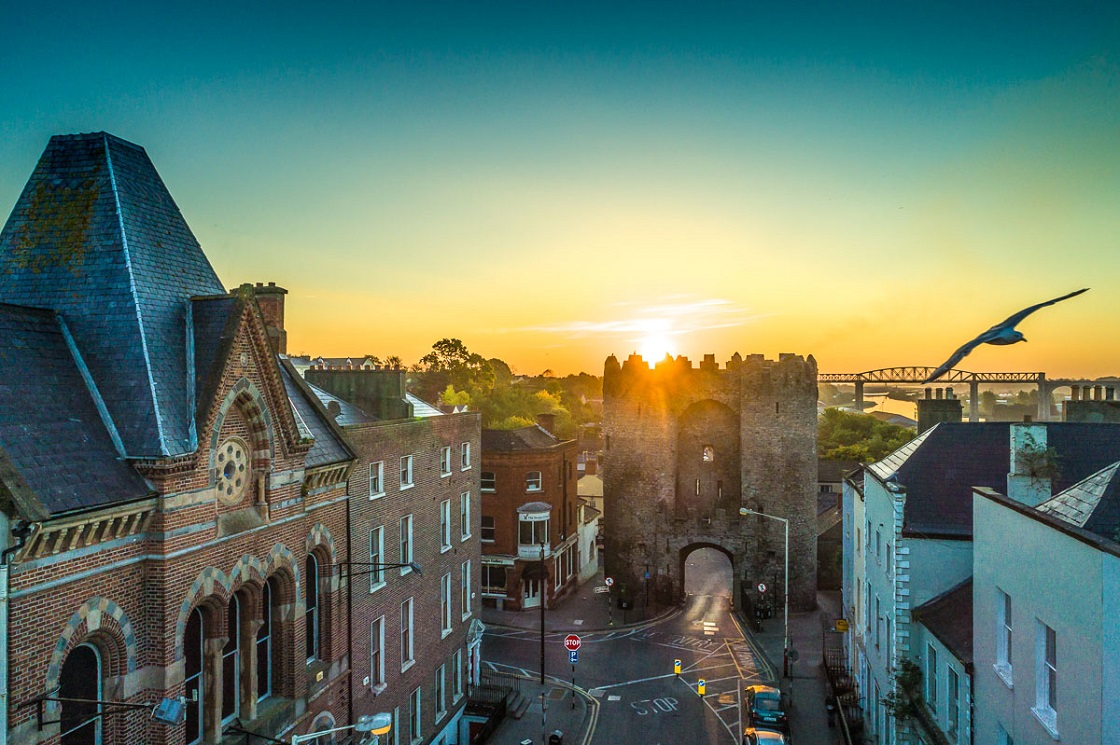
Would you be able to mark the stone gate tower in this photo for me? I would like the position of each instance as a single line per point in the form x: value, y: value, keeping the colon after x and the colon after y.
x: 686, y: 448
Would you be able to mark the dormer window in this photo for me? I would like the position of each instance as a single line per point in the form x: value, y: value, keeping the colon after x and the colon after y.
x: 709, y: 454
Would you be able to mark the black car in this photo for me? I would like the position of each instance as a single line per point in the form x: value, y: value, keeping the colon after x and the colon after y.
x: 766, y: 706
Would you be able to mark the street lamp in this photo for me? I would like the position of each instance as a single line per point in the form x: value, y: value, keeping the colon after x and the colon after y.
x: 376, y: 724
x: 785, y: 593
x: 372, y: 567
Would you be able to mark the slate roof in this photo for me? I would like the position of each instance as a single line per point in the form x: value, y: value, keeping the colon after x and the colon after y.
x: 215, y: 320
x: 1092, y: 504
x: 939, y: 468
x: 949, y: 617
x: 348, y: 413
x: 51, y: 432
x: 422, y: 408
x: 96, y: 236
x: 525, y: 438
x: 312, y: 420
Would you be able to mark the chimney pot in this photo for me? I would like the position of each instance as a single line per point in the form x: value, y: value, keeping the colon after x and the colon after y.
x: 1109, y: 393
x: 929, y: 393
x: 1096, y: 393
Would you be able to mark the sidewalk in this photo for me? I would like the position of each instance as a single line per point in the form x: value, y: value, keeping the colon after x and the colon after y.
x: 807, y: 684
x: 558, y: 714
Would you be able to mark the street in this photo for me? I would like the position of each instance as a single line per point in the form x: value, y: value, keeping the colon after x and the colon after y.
x: 630, y: 672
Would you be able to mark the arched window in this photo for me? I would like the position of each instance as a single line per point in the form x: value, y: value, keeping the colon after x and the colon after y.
x: 192, y: 688
x: 709, y: 454
x: 312, y: 615
x: 324, y: 722
x: 264, y: 644
x: 81, y: 678
x: 231, y: 662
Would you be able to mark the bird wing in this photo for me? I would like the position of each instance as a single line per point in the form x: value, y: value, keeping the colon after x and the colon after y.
x: 1013, y: 320
x: 956, y: 357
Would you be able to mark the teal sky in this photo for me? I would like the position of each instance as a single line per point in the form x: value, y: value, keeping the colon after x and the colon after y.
x: 552, y: 183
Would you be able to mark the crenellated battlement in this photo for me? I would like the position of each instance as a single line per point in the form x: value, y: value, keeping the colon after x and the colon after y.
x: 634, y: 376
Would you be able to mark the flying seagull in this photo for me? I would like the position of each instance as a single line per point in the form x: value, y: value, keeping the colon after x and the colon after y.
x: 1002, y: 333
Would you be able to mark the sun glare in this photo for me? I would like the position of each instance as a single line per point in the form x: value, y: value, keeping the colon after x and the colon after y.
x: 654, y: 347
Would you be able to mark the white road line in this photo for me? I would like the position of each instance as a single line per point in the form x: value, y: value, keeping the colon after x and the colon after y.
x: 640, y: 680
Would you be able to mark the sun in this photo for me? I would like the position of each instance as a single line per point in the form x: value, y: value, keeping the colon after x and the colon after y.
x: 653, y: 347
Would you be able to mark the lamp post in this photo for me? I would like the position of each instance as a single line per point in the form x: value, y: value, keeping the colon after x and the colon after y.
x: 785, y: 591
x: 376, y: 724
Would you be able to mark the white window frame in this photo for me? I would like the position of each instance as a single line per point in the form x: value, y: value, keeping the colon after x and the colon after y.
x: 445, y: 461
x: 415, y: 733
x: 406, y: 544
x: 377, y: 556
x: 493, y: 481
x: 1046, y: 677
x: 1005, y: 636
x: 445, y: 526
x: 931, y: 677
x: 538, y: 526
x: 465, y: 588
x: 441, y: 692
x: 377, y: 479
x: 465, y: 456
x: 457, y: 676
x: 493, y: 529
x: 533, y: 483
x: 464, y: 516
x: 408, y: 646
x: 406, y: 473
x: 445, y: 605
x: 952, y: 702
x: 377, y: 654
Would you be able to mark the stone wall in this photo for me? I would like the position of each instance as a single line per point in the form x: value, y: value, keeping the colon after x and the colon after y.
x: 685, y: 448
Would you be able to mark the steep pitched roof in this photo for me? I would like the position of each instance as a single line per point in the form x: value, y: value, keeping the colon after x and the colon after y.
x: 97, y: 237
x: 329, y: 446
x: 949, y: 617
x: 1093, y: 503
x: 55, y: 444
x: 939, y: 468
x: 526, y: 438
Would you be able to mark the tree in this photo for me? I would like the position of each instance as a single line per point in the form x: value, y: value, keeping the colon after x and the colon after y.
x: 451, y: 363
x: 861, y: 437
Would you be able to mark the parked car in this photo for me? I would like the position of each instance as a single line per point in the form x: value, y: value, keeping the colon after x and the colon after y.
x: 762, y: 736
x: 766, y: 707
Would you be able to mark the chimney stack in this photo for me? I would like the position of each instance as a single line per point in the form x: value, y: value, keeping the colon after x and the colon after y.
x: 270, y: 299
x: 1029, y: 477
x: 547, y: 422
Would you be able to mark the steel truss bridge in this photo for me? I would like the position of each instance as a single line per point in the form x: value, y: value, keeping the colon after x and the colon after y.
x: 917, y: 374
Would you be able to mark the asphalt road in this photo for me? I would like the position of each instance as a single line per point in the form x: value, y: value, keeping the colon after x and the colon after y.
x: 631, y: 671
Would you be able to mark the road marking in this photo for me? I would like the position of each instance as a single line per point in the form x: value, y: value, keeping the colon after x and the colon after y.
x: 640, y: 680
x: 614, y: 698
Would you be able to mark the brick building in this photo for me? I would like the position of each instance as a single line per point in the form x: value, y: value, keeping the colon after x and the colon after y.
x: 414, y: 497
x: 529, y: 498
x: 686, y: 448
x: 176, y: 509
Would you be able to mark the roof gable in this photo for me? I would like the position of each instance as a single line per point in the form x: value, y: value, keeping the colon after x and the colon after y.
x: 96, y: 236
x: 1093, y: 503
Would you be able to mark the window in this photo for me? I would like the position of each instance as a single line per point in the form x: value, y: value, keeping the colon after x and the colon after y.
x: 533, y: 481
x: 1003, y: 636
x: 264, y: 644
x: 441, y: 697
x: 457, y: 675
x: 487, y: 481
x: 953, y: 703
x: 464, y: 516
x: 878, y: 546
x: 532, y: 532
x: 465, y: 456
x: 709, y: 454
x: 445, y: 604
x: 931, y: 677
x: 311, y: 615
x: 406, y: 543
x: 376, y: 558
x: 231, y: 662
x: 878, y: 620
x: 406, y: 471
x: 1046, y: 677
x: 376, y: 479
x: 465, y: 588
x: 859, y: 546
x: 81, y: 678
x: 414, y: 716
x: 1004, y: 738
x: 488, y: 529
x: 377, y: 652
x: 493, y: 579
x: 445, y: 525
x: 193, y: 688
x: 406, y: 635
x: 445, y: 461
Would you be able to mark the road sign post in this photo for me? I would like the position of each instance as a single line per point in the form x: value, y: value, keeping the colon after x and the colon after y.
x: 572, y: 642
x: 573, y: 656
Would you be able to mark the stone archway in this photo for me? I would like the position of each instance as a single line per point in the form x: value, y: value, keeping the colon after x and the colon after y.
x: 707, y: 569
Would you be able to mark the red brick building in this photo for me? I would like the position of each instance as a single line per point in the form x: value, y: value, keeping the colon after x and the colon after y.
x: 529, y: 499
x: 173, y: 504
x: 414, y: 497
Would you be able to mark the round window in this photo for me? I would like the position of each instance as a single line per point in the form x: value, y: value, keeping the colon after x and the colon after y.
x: 232, y: 465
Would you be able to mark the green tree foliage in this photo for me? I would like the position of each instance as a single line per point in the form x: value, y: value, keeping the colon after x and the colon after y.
x: 451, y: 363
x: 860, y: 437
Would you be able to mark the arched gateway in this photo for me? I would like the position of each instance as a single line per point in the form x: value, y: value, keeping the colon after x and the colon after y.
x: 686, y: 449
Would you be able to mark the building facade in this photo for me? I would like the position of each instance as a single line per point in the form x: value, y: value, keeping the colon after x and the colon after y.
x: 530, y: 518
x: 685, y: 449
x: 414, y: 498
x: 171, y: 525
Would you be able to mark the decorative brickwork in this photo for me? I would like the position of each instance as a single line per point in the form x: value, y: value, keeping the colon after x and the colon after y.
x: 686, y: 448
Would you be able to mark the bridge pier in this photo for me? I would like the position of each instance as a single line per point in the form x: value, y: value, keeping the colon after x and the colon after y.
x: 859, y: 396
x: 1044, y: 396
x: 974, y: 401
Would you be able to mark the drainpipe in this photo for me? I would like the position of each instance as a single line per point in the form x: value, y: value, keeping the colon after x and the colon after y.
x: 21, y: 531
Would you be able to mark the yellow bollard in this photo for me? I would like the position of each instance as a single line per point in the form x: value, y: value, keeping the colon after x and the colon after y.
x: 677, y: 667
x: 701, y: 685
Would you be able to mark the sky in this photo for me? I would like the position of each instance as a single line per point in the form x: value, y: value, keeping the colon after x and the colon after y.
x: 870, y: 183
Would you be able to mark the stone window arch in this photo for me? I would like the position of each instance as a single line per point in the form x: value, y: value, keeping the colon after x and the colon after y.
x: 80, y: 678
x: 194, y: 666
x: 312, y: 606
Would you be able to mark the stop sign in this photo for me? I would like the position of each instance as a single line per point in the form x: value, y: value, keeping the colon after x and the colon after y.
x: 572, y: 642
